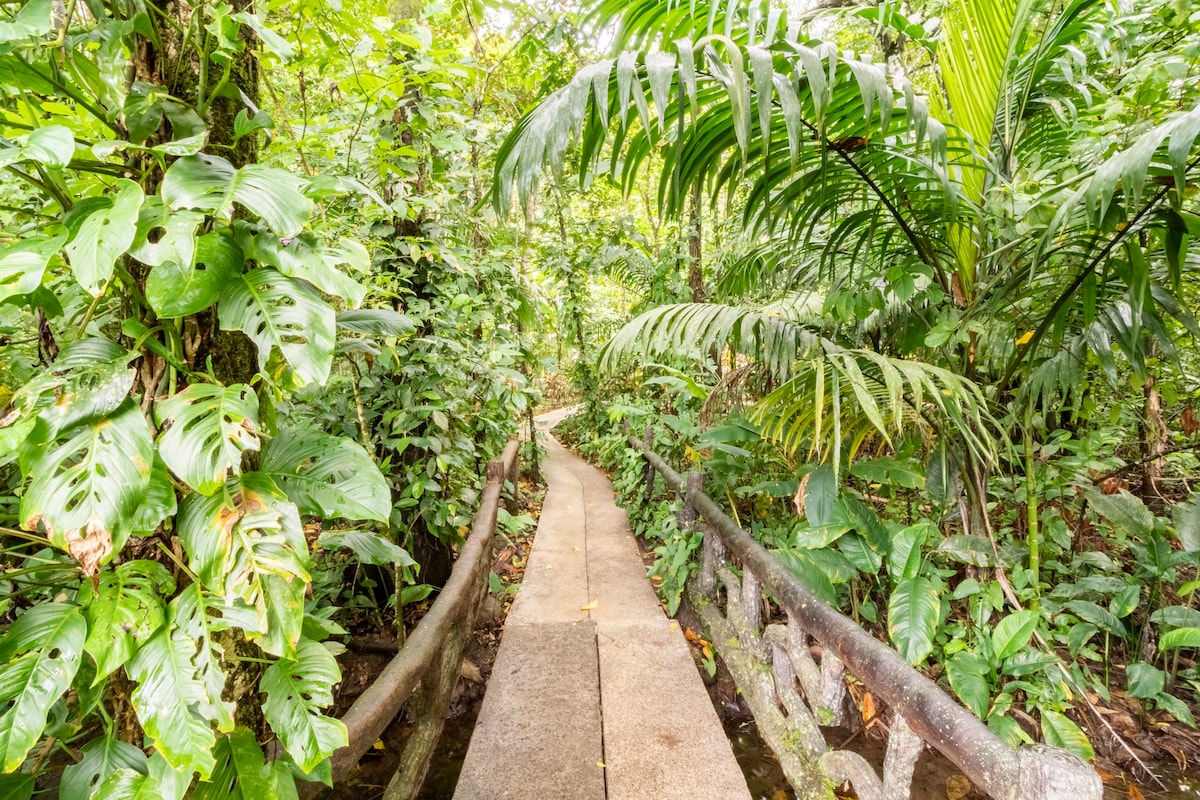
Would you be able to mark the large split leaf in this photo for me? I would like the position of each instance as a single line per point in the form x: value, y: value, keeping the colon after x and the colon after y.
x: 913, y: 618
x: 243, y: 773
x: 86, y: 487
x: 86, y: 392
x: 327, y: 475
x: 297, y: 689
x: 210, y: 183
x: 101, y: 758
x: 301, y: 257
x: 23, y: 264
x: 192, y: 623
x: 125, y: 609
x: 247, y: 546
x: 41, y: 654
x: 210, y: 428
x: 169, y: 699
x: 177, y: 289
x: 277, y: 312
x: 103, y: 236
x: 159, y: 781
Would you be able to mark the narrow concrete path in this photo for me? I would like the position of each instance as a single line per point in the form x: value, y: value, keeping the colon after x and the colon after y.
x: 594, y: 693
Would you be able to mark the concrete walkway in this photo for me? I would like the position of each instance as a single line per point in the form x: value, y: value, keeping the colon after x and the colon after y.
x: 594, y: 693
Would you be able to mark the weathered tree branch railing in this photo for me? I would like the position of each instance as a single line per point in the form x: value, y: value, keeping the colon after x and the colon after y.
x: 423, y: 673
x: 791, y: 696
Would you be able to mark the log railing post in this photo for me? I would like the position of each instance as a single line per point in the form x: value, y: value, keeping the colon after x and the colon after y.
x: 648, y: 446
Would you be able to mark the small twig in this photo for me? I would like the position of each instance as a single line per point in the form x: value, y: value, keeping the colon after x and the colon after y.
x: 1136, y: 464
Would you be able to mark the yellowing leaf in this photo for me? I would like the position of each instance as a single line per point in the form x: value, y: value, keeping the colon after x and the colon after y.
x: 601, y: 764
x: 379, y: 745
x: 1025, y: 338
x: 590, y: 606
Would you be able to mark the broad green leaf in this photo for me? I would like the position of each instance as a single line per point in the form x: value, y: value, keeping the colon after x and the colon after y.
x: 376, y: 322
x: 856, y: 550
x: 123, y: 611
x: 104, y: 236
x: 86, y: 488
x: 165, y: 236
x: 1186, y: 516
x: 52, y: 146
x: 1180, y: 637
x: 23, y: 264
x: 41, y: 653
x: 327, y: 475
x: 369, y: 548
x: 159, y: 782
x: 968, y: 549
x: 176, y: 289
x: 210, y: 183
x: 300, y: 257
x: 33, y: 20
x: 277, y: 312
x: 811, y: 574
x: 17, y: 786
x: 1126, y: 601
x: 1177, y: 617
x: 1144, y: 680
x: 242, y: 772
x: 169, y: 700
x: 888, y: 470
x: 1059, y: 731
x: 247, y: 546
x: 904, y: 559
x: 1127, y: 513
x: 270, y: 39
x: 1102, y: 617
x: 297, y: 689
x: 101, y: 758
x: 821, y: 496
x: 913, y: 618
x: 86, y: 393
x: 210, y: 427
x: 968, y: 675
x: 1012, y: 633
x: 159, y: 502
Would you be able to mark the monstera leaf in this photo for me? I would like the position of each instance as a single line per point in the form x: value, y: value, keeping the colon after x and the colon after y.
x: 297, y: 689
x: 210, y: 183
x: 86, y: 487
x: 193, y: 623
x: 124, y: 610
x: 22, y: 264
x: 41, y: 654
x: 301, y: 257
x: 177, y: 289
x: 101, y: 758
x: 247, y: 546
x: 277, y: 312
x: 210, y: 428
x: 159, y: 781
x: 103, y: 236
x: 170, y: 699
x: 243, y: 773
x: 327, y: 475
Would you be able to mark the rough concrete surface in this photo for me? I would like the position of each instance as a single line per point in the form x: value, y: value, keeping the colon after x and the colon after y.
x: 603, y: 702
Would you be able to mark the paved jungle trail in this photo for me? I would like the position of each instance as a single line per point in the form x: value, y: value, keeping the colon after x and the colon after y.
x: 594, y: 693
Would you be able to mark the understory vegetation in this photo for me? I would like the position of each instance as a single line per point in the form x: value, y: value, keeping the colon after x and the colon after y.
x: 912, y: 283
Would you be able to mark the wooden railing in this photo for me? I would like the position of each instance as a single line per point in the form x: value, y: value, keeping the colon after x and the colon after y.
x: 421, y: 677
x: 792, y: 696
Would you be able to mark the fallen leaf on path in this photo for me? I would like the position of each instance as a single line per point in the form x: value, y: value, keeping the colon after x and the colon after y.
x: 601, y: 764
x: 590, y: 606
x: 1135, y: 793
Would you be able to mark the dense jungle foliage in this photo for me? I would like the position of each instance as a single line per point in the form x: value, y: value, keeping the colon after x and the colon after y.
x: 911, y: 282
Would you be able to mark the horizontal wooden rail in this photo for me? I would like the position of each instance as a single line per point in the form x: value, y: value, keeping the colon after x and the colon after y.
x: 924, y: 712
x: 454, y: 609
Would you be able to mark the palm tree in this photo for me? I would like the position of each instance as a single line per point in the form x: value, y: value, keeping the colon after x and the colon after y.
x: 896, y: 202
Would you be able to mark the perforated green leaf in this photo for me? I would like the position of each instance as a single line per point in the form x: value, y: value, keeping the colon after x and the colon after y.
x: 247, y: 546
x: 297, y: 689
x: 169, y: 699
x: 101, y: 758
x: 301, y: 257
x: 41, y: 654
x: 86, y: 487
x: 243, y: 773
x: 210, y: 183
x: 193, y: 623
x: 123, y: 611
x: 103, y: 236
x: 23, y: 264
x: 327, y: 475
x: 209, y: 429
x: 176, y: 289
x: 277, y: 312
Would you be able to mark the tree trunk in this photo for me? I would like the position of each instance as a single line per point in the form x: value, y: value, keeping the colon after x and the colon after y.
x: 695, y: 260
x: 1154, y: 440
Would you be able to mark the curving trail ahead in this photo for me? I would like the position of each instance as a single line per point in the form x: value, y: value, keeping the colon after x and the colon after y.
x: 597, y: 703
